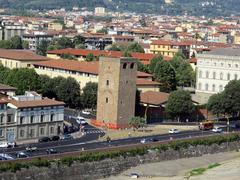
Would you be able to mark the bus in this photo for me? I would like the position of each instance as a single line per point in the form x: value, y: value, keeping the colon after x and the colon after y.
x: 207, y: 125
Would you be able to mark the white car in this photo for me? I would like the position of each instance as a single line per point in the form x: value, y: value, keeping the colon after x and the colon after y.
x: 81, y: 120
x: 217, y: 130
x: 173, y: 131
x: 86, y: 112
x: 4, y: 145
x: 6, y: 157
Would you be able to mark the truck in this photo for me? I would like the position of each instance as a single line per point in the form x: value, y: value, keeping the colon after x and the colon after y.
x: 207, y: 125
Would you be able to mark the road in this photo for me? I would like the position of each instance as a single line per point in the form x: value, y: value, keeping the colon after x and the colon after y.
x: 83, y: 143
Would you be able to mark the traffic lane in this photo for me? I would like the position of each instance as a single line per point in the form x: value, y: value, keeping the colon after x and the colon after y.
x: 129, y: 141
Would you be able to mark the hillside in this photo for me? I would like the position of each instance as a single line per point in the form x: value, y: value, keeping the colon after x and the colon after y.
x: 178, y: 7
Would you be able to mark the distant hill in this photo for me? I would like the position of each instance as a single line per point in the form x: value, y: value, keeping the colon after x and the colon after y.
x: 178, y: 7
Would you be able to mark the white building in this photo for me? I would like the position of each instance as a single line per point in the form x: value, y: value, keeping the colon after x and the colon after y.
x: 214, y: 70
x: 99, y: 11
x: 30, y: 117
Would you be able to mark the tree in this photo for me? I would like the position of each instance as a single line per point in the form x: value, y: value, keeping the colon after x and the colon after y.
x: 62, y: 43
x: 135, y: 47
x: 114, y: 47
x: 165, y: 74
x: 185, y: 75
x: 4, y: 44
x: 137, y: 122
x: 89, y: 96
x: 16, y: 42
x: 216, y: 103
x: 90, y: 57
x: 68, y: 90
x: 3, y: 73
x: 42, y: 47
x: 179, y: 104
x: 25, y: 45
x: 68, y: 56
x: 154, y: 62
x: 103, y: 30
x: 78, y: 40
x: 24, y: 79
x: 47, y: 86
x: 142, y: 67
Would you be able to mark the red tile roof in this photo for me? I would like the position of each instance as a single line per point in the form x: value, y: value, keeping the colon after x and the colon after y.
x: 174, y: 43
x: 145, y: 82
x: 154, y: 98
x: 36, y: 103
x: 21, y: 55
x: 4, y: 87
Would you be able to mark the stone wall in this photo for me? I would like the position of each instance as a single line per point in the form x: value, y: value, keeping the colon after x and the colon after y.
x: 96, y: 170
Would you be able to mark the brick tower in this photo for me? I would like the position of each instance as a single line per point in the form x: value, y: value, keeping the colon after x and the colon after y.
x: 116, y: 92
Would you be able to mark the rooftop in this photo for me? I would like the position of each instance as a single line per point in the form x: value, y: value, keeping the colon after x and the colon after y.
x: 154, y: 98
x: 230, y: 51
x: 4, y: 87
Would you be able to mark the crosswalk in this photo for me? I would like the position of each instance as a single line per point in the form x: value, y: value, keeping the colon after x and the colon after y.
x: 94, y: 132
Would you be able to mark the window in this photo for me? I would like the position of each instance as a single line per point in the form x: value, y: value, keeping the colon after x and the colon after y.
x: 124, y: 65
x: 228, y: 76
x: 214, y: 75
x: 213, y: 87
x: 229, y: 65
x: 42, y: 131
x: 199, y: 86
x: 207, y: 74
x: 220, y: 88
x: 206, y: 87
x: 32, y: 133
x: 52, y: 130
x: 9, y: 118
x: 106, y: 100
x: 132, y: 66
x: 1, y: 132
x: 1, y: 118
x: 52, y: 117
x: 42, y: 118
x: 31, y: 119
x: 200, y: 74
x: 235, y: 76
x: 221, y: 76
x: 21, y: 133
x: 236, y: 65
x: 107, y: 82
x: 21, y: 119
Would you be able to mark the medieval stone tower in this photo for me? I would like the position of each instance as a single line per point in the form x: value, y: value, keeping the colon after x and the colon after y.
x: 116, y: 91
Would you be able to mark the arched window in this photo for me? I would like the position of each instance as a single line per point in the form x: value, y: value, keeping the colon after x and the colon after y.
x: 221, y: 76
x: 206, y: 87
x: 132, y: 66
x: 220, y: 88
x: 200, y: 74
x: 214, y: 75
x: 228, y: 76
x: 207, y: 74
x: 124, y: 65
x: 213, y: 87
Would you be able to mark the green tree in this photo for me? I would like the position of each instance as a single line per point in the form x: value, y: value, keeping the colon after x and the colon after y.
x: 114, y: 47
x: 16, y: 42
x: 142, y: 67
x: 135, y: 47
x: 62, y: 43
x: 90, y: 57
x: 24, y: 79
x: 68, y: 56
x: 89, y: 96
x: 78, y: 40
x: 4, y: 44
x: 154, y: 62
x: 47, y: 86
x: 179, y: 104
x: 103, y: 30
x: 3, y: 73
x: 42, y: 47
x: 80, y: 46
x: 165, y: 74
x: 137, y: 122
x: 25, y: 45
x: 216, y: 104
x: 185, y: 75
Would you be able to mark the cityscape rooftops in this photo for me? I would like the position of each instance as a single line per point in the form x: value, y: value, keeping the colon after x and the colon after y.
x: 230, y: 51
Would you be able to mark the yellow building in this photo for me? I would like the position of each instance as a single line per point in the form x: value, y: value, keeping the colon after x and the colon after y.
x: 84, y: 72
x: 56, y: 26
x: 19, y: 58
x: 236, y: 39
x: 170, y: 48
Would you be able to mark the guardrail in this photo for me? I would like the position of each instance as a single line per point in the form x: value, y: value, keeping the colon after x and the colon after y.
x: 112, y: 148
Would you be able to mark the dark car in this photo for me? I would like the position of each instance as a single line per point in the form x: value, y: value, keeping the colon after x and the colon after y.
x: 148, y: 140
x: 22, y: 154
x: 51, y: 151
x: 67, y: 137
x: 44, y: 139
x: 54, y: 138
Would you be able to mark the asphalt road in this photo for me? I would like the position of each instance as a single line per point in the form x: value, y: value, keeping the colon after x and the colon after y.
x: 83, y: 143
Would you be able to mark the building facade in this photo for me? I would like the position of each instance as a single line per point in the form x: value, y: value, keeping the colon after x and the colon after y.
x: 116, y: 92
x: 215, y: 69
x: 30, y: 117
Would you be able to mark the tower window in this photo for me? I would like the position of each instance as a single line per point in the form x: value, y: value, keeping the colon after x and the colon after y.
x: 132, y: 66
x: 107, y: 82
x: 106, y: 100
x: 124, y: 65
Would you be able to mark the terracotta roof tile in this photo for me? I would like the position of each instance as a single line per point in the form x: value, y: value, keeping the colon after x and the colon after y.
x: 4, y: 87
x: 145, y: 82
x: 154, y: 98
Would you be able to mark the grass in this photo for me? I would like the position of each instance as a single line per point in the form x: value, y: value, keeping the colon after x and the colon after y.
x: 200, y: 171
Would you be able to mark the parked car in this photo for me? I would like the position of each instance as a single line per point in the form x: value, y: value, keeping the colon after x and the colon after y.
x: 148, y: 140
x: 86, y: 112
x: 67, y: 137
x: 173, y: 131
x: 44, y: 139
x: 51, y: 151
x: 217, y: 130
x: 134, y: 175
x: 6, y: 157
x: 31, y: 148
x: 81, y: 120
x: 54, y: 138
x: 22, y: 154
x: 4, y: 145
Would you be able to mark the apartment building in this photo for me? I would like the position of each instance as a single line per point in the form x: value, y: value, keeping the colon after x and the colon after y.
x: 215, y: 69
x: 30, y: 116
